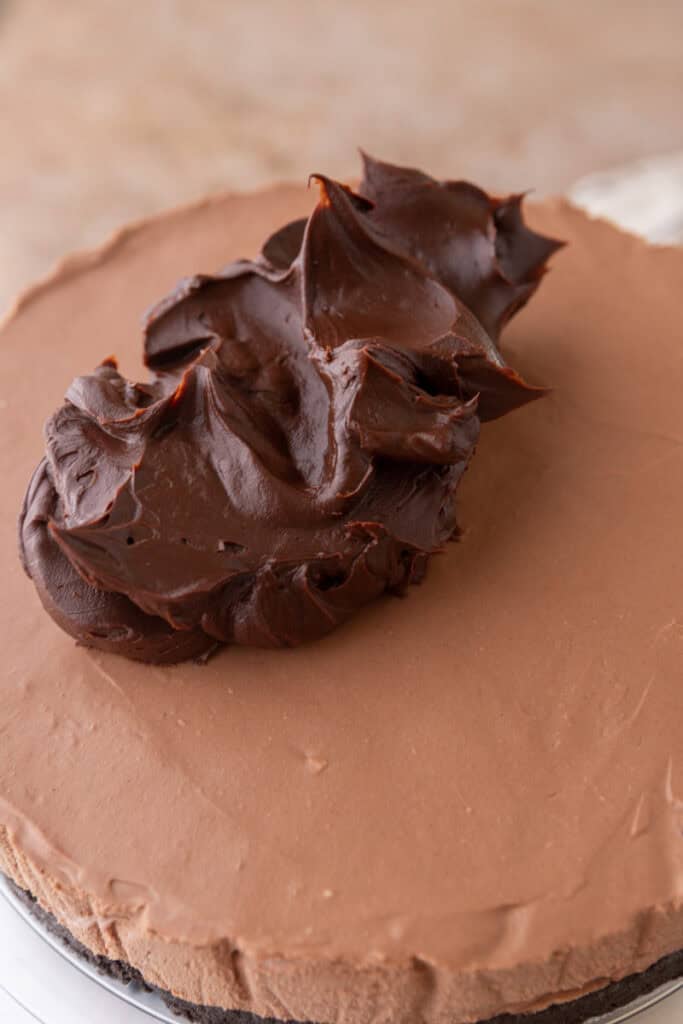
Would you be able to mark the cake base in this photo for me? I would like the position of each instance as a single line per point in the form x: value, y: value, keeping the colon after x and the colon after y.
x: 596, y: 1004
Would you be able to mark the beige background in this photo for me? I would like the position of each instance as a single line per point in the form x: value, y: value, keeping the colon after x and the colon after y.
x: 114, y: 108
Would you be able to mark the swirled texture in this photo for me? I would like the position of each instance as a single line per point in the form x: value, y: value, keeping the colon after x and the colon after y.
x: 298, y: 449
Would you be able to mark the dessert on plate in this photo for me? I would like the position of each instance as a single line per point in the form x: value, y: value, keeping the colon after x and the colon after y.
x: 260, y: 782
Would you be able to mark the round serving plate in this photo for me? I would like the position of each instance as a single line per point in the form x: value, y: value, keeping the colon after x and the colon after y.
x: 647, y: 1009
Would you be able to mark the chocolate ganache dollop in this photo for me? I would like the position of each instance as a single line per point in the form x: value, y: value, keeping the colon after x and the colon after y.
x: 299, y: 446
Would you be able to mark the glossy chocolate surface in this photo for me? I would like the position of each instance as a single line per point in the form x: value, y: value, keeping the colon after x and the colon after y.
x: 299, y: 447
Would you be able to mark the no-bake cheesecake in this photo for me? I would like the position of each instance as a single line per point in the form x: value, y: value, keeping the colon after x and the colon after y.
x: 463, y: 804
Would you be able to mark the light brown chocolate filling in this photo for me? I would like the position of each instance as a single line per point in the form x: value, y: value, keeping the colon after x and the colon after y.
x: 465, y: 802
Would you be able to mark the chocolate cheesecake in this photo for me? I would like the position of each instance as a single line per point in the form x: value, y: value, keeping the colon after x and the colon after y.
x: 457, y: 806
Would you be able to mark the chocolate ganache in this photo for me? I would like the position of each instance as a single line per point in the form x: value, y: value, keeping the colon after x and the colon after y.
x: 299, y: 446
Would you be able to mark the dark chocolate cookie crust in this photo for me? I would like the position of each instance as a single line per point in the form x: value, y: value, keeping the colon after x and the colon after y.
x: 619, y: 993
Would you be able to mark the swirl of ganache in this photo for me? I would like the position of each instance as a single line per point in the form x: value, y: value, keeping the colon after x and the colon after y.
x: 296, y: 453
x: 476, y: 245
